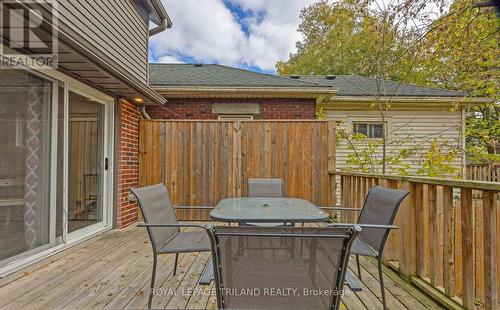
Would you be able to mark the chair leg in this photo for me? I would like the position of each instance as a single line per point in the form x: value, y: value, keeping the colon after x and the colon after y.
x: 152, y: 286
x: 381, y: 277
x: 175, y: 263
x: 359, y: 266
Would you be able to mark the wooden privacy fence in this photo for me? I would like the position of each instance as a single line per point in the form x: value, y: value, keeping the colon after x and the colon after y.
x: 202, y: 162
x: 447, y: 241
x: 490, y: 173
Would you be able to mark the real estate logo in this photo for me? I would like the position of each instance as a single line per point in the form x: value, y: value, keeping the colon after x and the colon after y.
x: 28, y: 30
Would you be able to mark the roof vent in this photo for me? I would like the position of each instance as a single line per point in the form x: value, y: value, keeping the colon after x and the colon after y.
x: 198, y: 65
x: 295, y: 77
x: 330, y: 77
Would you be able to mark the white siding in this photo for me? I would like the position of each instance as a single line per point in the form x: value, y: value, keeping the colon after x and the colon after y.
x: 419, y: 126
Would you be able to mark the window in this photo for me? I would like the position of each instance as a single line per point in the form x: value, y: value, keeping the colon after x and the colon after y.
x: 370, y: 130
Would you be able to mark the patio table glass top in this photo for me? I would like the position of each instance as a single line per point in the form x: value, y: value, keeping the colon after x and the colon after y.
x: 251, y: 209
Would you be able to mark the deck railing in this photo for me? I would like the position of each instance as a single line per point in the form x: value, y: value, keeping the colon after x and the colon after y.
x: 447, y: 240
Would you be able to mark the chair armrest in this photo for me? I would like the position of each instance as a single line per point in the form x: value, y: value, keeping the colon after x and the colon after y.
x: 363, y: 226
x: 132, y: 198
x: 342, y: 209
x: 193, y: 207
x: 200, y: 225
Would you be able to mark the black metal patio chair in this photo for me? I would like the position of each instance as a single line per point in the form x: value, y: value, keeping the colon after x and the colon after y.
x: 164, y: 229
x: 376, y: 220
x: 265, y: 188
x: 270, y: 188
x: 278, y: 280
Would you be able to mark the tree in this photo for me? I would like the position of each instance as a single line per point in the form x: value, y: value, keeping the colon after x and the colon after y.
x: 362, y: 37
x: 340, y: 38
x: 414, y: 41
x: 463, y: 53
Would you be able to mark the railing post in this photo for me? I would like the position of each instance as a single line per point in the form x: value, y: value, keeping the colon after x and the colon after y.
x: 331, y: 160
x: 342, y: 191
x: 408, y: 230
x: 490, y: 250
x: 448, y: 242
x: 467, y: 222
x: 436, y: 260
x: 346, y: 196
x: 417, y: 202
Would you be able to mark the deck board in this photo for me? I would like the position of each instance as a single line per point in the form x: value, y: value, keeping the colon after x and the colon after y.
x: 113, y: 270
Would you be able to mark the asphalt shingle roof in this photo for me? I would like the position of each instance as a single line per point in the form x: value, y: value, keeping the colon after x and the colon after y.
x: 354, y: 85
x: 212, y: 75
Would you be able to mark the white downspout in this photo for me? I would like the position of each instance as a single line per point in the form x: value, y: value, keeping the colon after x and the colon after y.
x: 144, y: 114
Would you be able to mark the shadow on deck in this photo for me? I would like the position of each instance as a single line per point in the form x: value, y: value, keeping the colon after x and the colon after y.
x: 113, y: 271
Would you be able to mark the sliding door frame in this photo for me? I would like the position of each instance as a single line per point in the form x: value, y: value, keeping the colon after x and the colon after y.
x: 107, y: 175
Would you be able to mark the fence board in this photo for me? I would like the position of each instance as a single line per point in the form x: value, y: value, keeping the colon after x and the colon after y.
x: 203, y: 162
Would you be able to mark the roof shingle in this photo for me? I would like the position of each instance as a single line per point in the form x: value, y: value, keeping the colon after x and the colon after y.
x: 212, y: 75
x: 354, y: 85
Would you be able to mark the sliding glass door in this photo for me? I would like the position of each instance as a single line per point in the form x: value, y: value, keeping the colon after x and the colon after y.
x: 55, y: 177
x: 25, y: 139
x: 86, y: 161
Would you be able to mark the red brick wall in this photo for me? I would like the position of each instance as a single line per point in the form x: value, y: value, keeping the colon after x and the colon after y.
x: 202, y: 108
x: 127, y: 162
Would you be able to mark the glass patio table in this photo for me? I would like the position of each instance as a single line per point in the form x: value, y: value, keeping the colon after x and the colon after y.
x: 267, y: 210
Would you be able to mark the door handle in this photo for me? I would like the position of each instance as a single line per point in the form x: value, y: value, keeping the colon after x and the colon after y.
x: 106, y: 164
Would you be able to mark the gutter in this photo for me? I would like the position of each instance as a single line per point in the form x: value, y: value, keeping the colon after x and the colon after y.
x: 165, y: 21
x: 407, y: 99
x: 244, y: 92
x: 159, y: 28
x: 195, y: 89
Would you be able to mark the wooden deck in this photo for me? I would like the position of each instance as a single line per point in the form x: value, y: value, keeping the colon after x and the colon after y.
x: 113, y: 271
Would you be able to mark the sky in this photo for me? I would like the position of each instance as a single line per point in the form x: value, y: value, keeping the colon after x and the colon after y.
x: 249, y: 34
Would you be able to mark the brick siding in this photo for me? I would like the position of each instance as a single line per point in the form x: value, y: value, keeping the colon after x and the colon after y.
x: 202, y: 108
x: 127, y: 162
